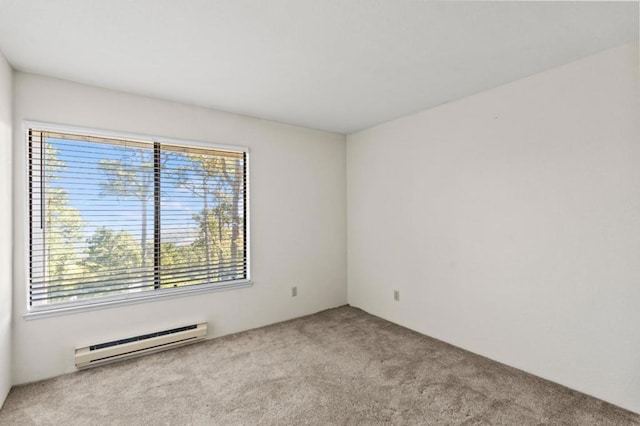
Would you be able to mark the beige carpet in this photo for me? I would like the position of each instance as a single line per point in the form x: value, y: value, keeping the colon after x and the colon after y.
x: 340, y: 366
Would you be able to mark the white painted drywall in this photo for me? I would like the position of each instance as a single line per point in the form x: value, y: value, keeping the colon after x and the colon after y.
x: 6, y: 86
x: 298, y: 222
x: 510, y: 223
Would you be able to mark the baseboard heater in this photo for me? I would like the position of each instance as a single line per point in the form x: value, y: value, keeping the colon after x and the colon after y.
x: 130, y: 347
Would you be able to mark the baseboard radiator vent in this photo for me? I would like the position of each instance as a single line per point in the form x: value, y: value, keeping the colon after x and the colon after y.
x: 117, y: 350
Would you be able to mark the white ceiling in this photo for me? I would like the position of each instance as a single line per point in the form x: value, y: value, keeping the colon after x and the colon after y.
x: 339, y: 65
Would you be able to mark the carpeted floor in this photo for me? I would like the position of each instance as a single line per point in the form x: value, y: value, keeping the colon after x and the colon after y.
x: 341, y: 366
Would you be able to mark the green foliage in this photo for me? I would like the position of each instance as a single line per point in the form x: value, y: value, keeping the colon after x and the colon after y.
x: 171, y: 255
x: 178, y: 261
x: 62, y: 222
x: 64, y: 226
x: 218, y: 226
x: 108, y: 250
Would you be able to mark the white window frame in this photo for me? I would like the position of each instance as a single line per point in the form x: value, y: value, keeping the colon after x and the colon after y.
x: 61, y: 308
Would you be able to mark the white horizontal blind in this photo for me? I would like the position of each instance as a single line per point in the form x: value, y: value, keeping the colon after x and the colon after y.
x: 110, y: 217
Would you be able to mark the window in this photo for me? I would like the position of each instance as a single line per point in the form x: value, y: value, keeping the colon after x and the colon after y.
x: 115, y: 218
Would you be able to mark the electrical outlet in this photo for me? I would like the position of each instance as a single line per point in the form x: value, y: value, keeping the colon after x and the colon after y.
x: 294, y: 291
x: 396, y: 295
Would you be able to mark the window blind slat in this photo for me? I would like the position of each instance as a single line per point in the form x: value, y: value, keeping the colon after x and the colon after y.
x: 105, y: 286
x: 64, y: 280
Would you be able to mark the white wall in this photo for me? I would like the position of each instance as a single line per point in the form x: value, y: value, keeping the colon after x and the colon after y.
x: 510, y: 223
x: 6, y: 75
x: 298, y: 221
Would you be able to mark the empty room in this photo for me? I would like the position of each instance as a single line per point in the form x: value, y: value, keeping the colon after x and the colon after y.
x: 340, y: 212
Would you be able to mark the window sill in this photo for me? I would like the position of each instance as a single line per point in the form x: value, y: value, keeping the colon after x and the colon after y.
x: 130, y: 299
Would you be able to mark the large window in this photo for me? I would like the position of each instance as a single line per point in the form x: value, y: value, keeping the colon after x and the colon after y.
x: 117, y: 218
